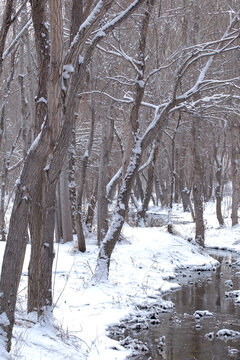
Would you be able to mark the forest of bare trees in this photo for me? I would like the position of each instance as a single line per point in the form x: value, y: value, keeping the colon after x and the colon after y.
x: 106, y: 106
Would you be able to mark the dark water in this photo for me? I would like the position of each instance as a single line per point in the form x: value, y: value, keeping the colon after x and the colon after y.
x: 185, y: 336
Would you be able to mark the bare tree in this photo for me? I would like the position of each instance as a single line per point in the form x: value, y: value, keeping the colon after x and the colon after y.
x: 158, y: 124
x: 47, y: 152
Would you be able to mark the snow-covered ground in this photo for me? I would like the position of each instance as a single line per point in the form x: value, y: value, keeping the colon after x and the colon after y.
x: 141, y: 266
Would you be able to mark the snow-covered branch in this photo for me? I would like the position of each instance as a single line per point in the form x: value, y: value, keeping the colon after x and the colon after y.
x: 88, y: 25
x: 13, y: 43
x: 150, y: 158
x: 113, y: 181
x: 222, y: 46
x: 127, y: 100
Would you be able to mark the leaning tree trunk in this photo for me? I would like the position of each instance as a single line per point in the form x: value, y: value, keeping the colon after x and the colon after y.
x: 109, y: 242
x: 110, y: 239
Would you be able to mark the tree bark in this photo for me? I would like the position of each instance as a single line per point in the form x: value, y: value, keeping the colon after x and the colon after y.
x: 139, y: 188
x: 197, y: 184
x: 46, y: 247
x: 58, y: 217
x: 170, y: 225
x: 235, y: 133
x: 218, y: 188
x: 41, y: 33
x: 65, y: 204
x: 84, y: 164
x: 6, y: 23
x: 102, y: 201
x: 141, y: 215
x: 3, y: 150
x: 91, y: 207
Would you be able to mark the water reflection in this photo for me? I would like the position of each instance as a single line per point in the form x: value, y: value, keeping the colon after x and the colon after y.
x: 185, y: 336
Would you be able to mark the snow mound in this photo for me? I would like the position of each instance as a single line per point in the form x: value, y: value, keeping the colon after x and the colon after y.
x: 227, y: 334
x: 202, y: 313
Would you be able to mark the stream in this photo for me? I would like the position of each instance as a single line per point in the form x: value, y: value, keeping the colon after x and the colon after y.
x: 191, y: 329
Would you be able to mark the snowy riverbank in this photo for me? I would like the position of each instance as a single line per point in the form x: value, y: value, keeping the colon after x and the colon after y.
x: 141, y: 266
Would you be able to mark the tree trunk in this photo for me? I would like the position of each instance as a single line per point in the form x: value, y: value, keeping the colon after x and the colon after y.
x: 46, y: 246
x: 30, y: 89
x: 91, y: 207
x: 218, y: 188
x: 6, y: 23
x: 110, y: 239
x: 76, y: 21
x: 66, y: 219
x: 6, y: 157
x: 55, y: 114
x: 102, y: 207
x: 176, y: 177
x: 3, y: 150
x: 109, y: 242
x: 218, y: 195
x: 235, y: 133
x: 141, y: 215
x: 71, y: 179
x: 13, y: 259
x: 39, y: 17
x: 197, y: 184
x: 160, y: 188
x: 34, y: 263
x: 139, y: 192
x: 58, y: 216
x: 183, y: 183
x: 172, y: 167
x: 84, y: 164
x: 26, y: 139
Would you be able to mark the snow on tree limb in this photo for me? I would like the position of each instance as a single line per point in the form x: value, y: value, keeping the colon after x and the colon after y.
x: 13, y: 43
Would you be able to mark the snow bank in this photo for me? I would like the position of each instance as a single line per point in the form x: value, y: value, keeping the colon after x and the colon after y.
x: 141, y: 267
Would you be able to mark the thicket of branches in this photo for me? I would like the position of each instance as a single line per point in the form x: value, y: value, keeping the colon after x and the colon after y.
x: 105, y: 106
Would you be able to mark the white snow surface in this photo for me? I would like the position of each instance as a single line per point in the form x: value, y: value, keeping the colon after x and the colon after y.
x: 142, y: 263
